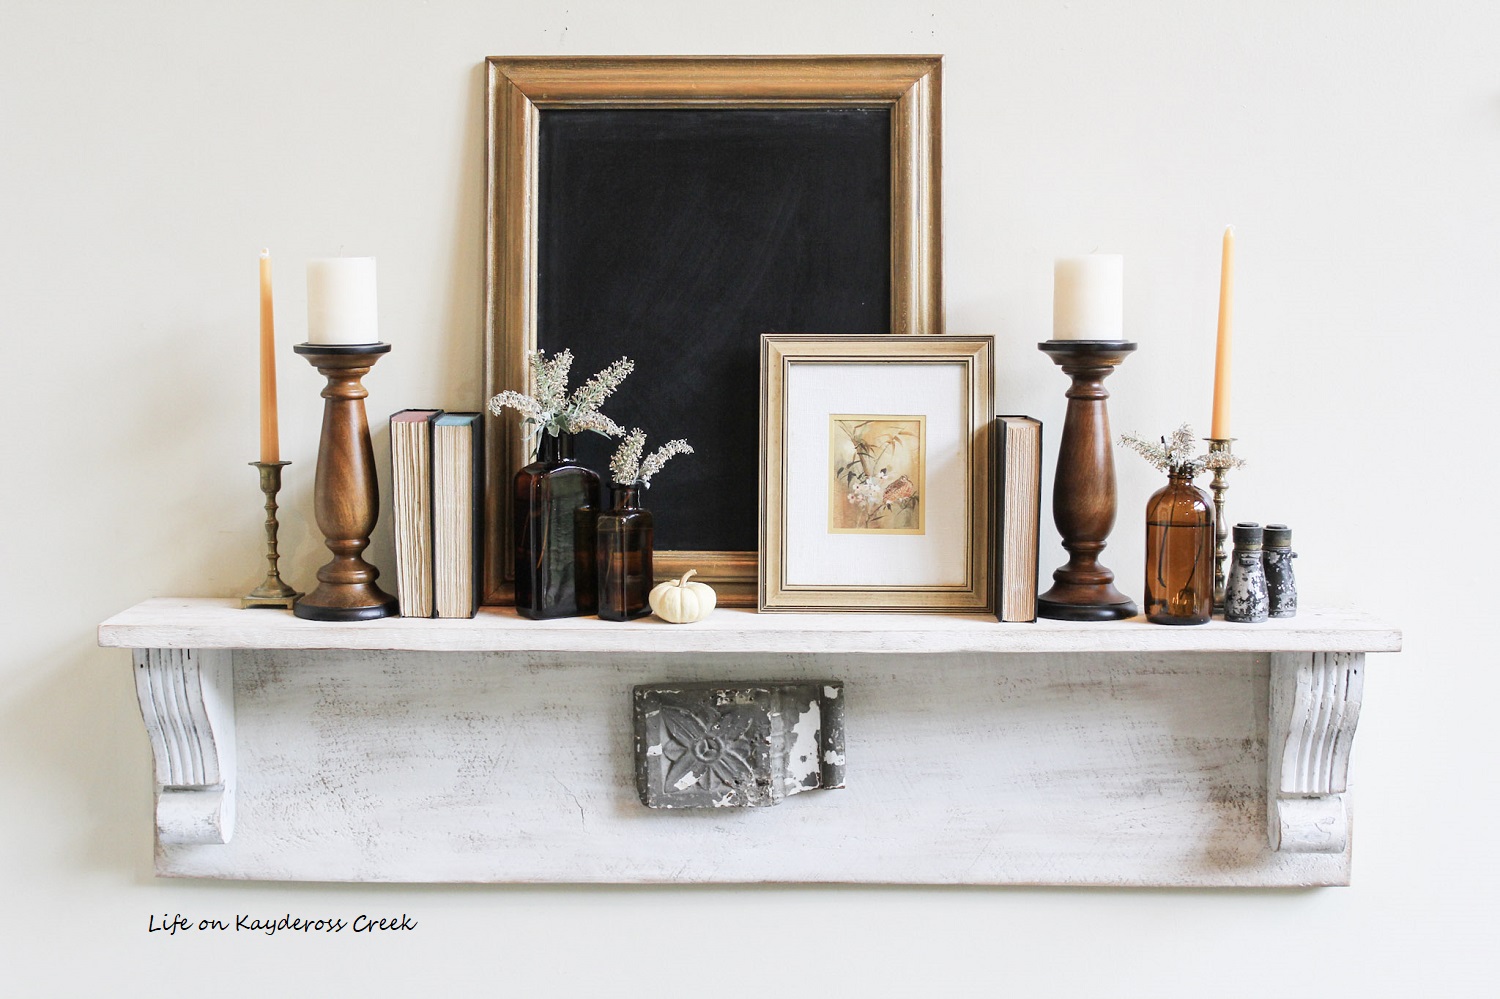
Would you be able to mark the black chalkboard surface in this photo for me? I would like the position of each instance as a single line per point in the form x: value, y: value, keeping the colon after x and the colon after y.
x: 676, y: 237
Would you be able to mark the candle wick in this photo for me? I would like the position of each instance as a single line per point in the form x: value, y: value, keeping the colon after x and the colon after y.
x: 265, y: 253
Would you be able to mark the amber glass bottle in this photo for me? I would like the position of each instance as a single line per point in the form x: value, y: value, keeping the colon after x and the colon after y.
x: 625, y: 544
x: 1180, y: 553
x: 556, y: 502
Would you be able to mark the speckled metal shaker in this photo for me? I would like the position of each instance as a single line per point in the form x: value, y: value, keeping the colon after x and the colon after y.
x: 1245, y: 597
x: 1281, y: 582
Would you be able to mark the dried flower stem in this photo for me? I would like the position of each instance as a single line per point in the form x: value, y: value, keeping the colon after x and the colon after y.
x: 549, y: 409
x: 1174, y: 455
x: 627, y: 465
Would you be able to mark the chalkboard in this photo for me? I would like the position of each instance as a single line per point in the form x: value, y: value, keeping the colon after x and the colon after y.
x: 673, y: 208
x: 676, y: 237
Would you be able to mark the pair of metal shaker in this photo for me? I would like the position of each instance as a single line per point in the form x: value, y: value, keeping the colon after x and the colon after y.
x: 1261, y: 583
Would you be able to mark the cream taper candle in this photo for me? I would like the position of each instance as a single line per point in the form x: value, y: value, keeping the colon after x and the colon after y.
x: 270, y: 439
x: 1222, y: 354
x: 341, y: 301
x: 1088, y: 297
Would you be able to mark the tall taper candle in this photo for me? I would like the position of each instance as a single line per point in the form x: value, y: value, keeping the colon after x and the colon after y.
x: 1222, y: 356
x: 270, y: 440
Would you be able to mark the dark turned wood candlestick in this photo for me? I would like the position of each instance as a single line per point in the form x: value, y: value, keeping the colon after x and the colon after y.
x: 346, y: 498
x: 1083, y: 494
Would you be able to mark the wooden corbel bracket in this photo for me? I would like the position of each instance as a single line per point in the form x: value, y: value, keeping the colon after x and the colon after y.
x: 1314, y: 709
x: 187, y: 703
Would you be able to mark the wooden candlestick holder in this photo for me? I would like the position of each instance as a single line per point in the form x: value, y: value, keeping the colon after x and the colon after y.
x: 1083, y: 494
x: 272, y: 591
x: 345, y: 494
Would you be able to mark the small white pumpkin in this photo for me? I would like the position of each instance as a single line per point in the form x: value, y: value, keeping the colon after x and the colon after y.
x: 681, y: 602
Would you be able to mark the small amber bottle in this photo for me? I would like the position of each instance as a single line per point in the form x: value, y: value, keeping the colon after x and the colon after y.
x: 624, y: 555
x: 1180, y: 553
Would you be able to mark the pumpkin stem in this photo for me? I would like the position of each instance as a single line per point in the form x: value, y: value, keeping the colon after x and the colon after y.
x: 685, y: 575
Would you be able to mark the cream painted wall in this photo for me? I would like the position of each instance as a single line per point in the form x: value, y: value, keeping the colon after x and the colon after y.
x: 147, y: 151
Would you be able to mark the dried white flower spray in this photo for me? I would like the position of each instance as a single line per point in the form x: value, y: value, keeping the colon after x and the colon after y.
x: 628, y: 466
x: 1174, y: 455
x: 551, y: 410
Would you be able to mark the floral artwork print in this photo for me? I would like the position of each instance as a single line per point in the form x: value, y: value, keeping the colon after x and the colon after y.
x: 877, y: 464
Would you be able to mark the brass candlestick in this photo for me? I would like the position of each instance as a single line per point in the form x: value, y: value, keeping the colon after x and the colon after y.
x: 1220, y: 486
x: 1083, y: 494
x: 345, y: 495
x: 272, y: 591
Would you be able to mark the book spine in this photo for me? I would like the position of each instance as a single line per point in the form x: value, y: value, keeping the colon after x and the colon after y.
x: 1036, y: 513
x: 429, y: 435
x: 411, y: 505
x: 476, y: 507
x: 1018, y: 516
x: 457, y: 498
x: 1002, y: 515
x: 444, y: 521
x: 1033, y: 553
x: 398, y: 510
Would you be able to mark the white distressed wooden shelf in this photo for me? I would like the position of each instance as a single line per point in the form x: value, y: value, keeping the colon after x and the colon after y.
x: 205, y: 623
x: 497, y: 749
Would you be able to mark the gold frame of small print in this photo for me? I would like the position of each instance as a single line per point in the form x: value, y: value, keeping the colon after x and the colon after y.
x: 782, y: 356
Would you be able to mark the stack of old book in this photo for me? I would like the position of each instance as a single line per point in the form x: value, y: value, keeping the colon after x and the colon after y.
x: 435, y: 497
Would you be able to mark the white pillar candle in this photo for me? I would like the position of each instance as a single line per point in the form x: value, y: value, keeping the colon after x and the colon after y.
x: 341, y: 300
x: 1088, y: 297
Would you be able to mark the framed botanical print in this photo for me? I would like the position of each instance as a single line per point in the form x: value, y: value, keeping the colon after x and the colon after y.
x: 875, y: 473
x: 674, y: 209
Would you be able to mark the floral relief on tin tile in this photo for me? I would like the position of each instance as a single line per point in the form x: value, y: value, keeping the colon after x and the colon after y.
x: 708, y: 749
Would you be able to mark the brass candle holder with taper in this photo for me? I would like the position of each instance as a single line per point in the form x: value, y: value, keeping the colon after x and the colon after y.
x: 1219, y: 441
x: 272, y: 591
x: 1219, y: 486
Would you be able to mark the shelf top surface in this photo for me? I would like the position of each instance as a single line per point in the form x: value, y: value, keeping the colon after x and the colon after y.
x: 217, y: 623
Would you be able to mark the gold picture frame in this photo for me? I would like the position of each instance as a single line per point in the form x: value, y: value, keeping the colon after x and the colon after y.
x: 808, y: 383
x: 520, y: 89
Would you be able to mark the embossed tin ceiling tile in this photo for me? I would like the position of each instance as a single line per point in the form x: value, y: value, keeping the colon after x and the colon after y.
x: 717, y: 745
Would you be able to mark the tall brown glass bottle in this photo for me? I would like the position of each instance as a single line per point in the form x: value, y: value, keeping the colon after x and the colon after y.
x: 1180, y: 554
x: 556, y: 503
x: 625, y: 546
